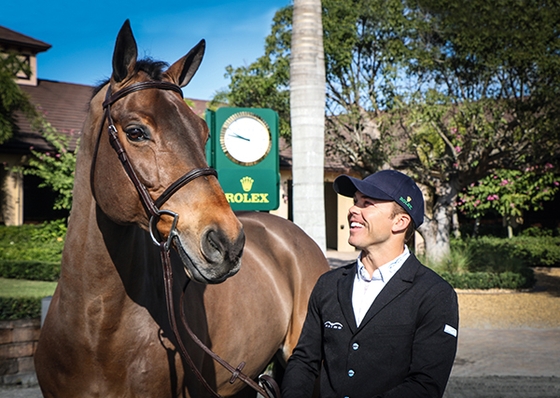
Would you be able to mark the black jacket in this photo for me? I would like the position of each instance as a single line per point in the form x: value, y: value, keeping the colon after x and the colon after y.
x: 402, y: 348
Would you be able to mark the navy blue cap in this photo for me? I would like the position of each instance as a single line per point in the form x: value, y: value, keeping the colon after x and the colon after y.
x: 386, y: 185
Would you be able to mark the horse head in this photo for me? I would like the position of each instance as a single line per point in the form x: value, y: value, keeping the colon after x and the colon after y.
x: 148, y: 162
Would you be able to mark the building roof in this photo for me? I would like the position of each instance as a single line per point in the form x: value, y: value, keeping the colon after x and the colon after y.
x: 11, y: 39
x: 65, y: 106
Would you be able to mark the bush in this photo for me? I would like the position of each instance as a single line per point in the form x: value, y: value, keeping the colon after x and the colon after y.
x: 513, y: 254
x: 32, y: 251
x: 31, y: 270
x: 537, y: 251
x: 488, y: 280
x: 492, y: 263
x: 12, y: 308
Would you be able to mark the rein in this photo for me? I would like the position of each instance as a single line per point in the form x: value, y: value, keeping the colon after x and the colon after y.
x: 269, y: 388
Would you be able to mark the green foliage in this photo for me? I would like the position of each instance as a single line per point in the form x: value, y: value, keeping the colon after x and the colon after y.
x: 510, y: 192
x: 458, y: 261
x: 12, y: 99
x: 487, y: 280
x: 539, y: 232
x: 21, y: 299
x: 30, y: 270
x: 56, y: 168
x: 535, y: 251
x: 493, y: 255
x: 12, y: 308
x: 30, y: 255
x: 362, y: 45
x: 32, y: 251
x: 265, y: 82
x: 510, y: 56
x: 496, y: 263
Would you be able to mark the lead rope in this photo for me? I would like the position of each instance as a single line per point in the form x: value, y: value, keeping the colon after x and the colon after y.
x: 270, y: 388
x: 168, y: 283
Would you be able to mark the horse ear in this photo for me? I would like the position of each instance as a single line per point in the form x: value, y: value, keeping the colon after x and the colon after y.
x: 182, y: 71
x: 126, y: 51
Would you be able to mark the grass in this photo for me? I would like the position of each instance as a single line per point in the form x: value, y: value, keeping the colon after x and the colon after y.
x: 25, y: 288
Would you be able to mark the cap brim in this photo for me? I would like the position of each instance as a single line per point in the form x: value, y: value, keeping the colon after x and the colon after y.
x: 347, y: 186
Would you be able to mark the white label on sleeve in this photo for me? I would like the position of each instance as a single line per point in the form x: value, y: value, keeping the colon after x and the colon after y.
x: 450, y: 330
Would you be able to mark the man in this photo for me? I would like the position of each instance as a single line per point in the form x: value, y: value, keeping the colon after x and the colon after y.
x: 384, y: 326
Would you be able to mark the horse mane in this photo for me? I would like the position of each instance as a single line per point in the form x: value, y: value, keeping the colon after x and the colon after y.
x: 153, y: 68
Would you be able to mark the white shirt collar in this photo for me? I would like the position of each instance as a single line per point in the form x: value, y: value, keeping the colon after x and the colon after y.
x: 386, y: 271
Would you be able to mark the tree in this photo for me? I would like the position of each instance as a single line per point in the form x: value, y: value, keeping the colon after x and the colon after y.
x: 265, y: 83
x: 307, y: 104
x: 365, y: 44
x: 510, y: 193
x: 56, y: 168
x: 12, y: 99
x: 487, y: 97
x: 419, y: 86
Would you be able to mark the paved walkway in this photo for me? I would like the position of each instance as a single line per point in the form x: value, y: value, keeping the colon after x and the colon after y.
x: 490, y: 363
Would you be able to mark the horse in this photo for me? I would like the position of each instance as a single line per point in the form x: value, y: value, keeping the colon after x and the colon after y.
x: 143, y: 191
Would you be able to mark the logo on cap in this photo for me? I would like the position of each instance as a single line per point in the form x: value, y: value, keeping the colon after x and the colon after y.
x: 406, y: 201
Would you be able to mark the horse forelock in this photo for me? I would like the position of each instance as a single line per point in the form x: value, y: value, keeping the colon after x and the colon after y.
x: 154, y: 69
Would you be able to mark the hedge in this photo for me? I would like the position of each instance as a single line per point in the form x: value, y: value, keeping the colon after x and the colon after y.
x: 12, y: 308
x: 30, y: 252
x: 30, y: 270
x: 501, y: 255
x: 498, y: 263
x: 487, y: 280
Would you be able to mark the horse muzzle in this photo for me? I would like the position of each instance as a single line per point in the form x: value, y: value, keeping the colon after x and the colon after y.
x: 218, y: 257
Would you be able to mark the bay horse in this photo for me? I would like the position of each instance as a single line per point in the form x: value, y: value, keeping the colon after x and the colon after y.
x: 142, y: 183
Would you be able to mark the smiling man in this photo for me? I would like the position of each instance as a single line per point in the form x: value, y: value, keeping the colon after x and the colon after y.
x: 385, y: 325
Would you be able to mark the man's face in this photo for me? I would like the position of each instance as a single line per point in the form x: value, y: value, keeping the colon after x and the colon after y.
x: 370, y: 221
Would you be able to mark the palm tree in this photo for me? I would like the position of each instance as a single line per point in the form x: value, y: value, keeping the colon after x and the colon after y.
x: 307, y: 107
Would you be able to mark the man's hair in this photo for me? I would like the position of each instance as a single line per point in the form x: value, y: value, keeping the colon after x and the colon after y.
x: 397, y: 209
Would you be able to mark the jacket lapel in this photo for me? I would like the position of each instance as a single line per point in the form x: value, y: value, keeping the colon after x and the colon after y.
x: 345, y: 286
x: 400, y: 282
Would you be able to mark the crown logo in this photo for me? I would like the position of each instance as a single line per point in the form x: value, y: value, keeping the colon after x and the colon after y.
x: 246, y: 183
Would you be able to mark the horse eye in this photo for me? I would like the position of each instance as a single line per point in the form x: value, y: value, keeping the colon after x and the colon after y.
x: 135, y: 134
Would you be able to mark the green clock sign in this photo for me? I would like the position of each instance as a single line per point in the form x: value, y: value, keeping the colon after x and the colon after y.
x: 243, y: 148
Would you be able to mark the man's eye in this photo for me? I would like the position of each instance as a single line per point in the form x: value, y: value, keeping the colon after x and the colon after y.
x: 135, y: 134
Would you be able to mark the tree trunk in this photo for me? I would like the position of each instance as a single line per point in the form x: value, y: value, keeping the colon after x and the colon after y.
x: 307, y: 106
x: 437, y: 231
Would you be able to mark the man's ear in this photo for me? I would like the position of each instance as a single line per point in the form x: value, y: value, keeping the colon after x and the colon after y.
x: 401, y: 222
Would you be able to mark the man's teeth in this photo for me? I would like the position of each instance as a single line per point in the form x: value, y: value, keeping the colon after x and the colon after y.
x: 355, y: 225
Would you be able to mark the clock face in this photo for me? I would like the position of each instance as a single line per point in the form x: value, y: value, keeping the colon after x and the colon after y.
x: 245, y: 138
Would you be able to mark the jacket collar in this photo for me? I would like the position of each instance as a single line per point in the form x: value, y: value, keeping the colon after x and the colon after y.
x: 400, y: 282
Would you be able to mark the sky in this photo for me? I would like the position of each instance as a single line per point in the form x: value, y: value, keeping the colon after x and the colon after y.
x: 82, y: 35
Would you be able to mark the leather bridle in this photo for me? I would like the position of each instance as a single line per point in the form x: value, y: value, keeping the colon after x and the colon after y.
x: 269, y: 387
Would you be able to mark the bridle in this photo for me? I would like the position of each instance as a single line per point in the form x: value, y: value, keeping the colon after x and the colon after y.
x: 153, y: 209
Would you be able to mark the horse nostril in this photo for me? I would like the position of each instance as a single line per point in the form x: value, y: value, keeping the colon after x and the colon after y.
x: 217, y: 248
x: 212, y: 246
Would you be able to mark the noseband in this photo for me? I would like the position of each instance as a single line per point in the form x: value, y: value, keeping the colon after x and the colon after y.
x: 152, y: 207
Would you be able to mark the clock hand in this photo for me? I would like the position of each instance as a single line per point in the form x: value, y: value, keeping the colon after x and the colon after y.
x: 240, y: 136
